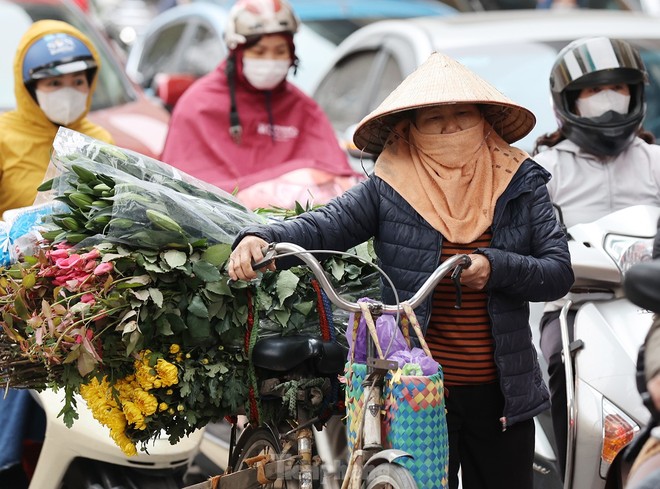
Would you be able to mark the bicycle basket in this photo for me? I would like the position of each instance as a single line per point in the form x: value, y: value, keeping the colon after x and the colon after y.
x: 414, y: 421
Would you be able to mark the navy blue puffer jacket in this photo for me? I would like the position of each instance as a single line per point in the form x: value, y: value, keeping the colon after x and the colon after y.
x: 528, y: 256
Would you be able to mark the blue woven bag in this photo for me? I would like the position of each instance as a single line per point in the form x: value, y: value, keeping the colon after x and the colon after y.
x: 415, y: 422
x: 415, y: 419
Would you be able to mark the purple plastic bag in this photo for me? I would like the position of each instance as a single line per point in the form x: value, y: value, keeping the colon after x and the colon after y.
x: 386, y: 330
x: 360, y: 355
x: 416, y: 356
x: 401, y: 357
x: 427, y: 364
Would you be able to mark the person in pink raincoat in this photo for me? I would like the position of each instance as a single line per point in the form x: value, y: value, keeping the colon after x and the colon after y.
x: 244, y: 123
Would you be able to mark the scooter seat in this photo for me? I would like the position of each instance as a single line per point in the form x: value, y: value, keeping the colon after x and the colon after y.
x: 642, y: 285
x: 282, y: 354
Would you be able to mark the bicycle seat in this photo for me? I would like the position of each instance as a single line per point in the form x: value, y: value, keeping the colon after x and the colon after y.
x: 642, y: 285
x: 281, y: 354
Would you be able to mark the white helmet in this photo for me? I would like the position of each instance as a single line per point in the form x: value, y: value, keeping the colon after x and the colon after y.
x: 248, y: 18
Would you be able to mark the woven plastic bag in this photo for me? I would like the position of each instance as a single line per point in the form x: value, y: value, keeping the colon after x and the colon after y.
x: 414, y: 420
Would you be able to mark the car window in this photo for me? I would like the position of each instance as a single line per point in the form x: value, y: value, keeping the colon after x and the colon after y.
x: 205, y: 52
x: 113, y: 87
x: 520, y: 71
x: 158, y: 55
x: 336, y: 30
x: 390, y: 78
x: 342, y: 93
x: 315, y: 54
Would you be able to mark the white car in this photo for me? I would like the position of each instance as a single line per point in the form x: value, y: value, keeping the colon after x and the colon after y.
x: 513, y: 50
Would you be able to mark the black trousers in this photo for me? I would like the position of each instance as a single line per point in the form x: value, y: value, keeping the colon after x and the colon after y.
x: 488, y: 457
x: 551, y: 348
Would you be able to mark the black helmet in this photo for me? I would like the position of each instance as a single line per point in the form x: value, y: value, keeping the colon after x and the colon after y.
x: 587, y: 63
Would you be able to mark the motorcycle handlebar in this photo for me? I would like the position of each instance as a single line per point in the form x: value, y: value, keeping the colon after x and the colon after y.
x: 275, y: 250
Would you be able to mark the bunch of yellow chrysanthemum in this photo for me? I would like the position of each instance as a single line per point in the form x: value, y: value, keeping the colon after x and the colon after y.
x: 128, y: 403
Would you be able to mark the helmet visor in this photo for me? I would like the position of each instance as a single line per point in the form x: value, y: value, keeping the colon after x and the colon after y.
x: 578, y: 65
x: 54, y: 69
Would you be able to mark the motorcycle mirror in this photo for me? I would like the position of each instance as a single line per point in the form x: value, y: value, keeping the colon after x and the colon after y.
x: 642, y: 285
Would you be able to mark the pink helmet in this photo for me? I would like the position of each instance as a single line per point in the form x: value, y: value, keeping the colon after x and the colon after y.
x: 249, y: 18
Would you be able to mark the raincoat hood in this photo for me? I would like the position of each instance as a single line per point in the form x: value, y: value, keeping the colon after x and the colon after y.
x: 26, y: 134
x: 28, y: 106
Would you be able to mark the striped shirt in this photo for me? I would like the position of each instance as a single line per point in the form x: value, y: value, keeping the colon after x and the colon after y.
x: 461, y: 339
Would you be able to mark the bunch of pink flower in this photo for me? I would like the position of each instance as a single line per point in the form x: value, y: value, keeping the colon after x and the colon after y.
x: 61, y: 303
x: 73, y: 271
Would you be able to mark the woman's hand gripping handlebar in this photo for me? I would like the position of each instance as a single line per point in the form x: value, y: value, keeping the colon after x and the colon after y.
x: 260, y: 255
x: 249, y: 251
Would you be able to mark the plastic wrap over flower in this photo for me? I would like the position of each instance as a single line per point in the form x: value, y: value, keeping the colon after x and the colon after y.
x: 5, y: 243
x: 135, y: 199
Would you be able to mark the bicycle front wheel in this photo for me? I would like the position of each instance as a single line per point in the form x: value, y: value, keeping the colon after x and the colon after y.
x: 390, y: 476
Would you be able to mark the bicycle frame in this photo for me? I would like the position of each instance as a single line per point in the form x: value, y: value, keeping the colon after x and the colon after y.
x: 369, y: 451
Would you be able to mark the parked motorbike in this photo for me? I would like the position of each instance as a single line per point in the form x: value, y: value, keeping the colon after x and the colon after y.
x: 604, y: 408
x: 85, y: 457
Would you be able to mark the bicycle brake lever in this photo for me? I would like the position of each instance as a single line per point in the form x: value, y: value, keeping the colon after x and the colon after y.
x: 269, y: 257
x: 456, y: 278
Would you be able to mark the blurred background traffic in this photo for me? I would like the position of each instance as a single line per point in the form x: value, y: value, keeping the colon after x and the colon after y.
x: 352, y: 52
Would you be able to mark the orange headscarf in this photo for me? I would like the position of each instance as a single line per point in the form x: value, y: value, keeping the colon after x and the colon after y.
x: 452, y: 180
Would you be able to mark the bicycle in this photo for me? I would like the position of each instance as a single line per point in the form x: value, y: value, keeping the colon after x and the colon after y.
x: 283, y: 456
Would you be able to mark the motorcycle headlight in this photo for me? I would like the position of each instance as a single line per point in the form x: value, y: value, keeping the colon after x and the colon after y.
x: 627, y: 250
x: 618, y: 431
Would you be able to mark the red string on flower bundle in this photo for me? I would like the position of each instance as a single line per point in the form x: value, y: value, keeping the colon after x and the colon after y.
x: 250, y: 321
x: 250, y: 340
x: 320, y: 306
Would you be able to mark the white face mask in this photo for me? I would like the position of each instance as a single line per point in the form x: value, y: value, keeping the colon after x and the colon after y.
x: 265, y: 74
x: 601, y: 102
x: 64, y: 105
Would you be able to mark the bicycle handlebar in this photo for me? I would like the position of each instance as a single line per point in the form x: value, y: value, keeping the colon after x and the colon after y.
x: 274, y: 250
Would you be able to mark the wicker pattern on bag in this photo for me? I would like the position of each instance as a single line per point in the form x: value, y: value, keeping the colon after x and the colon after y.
x: 414, y: 420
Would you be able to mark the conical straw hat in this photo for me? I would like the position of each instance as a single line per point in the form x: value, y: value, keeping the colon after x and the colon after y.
x: 442, y: 80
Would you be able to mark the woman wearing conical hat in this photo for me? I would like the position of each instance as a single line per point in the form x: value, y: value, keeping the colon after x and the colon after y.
x: 447, y: 181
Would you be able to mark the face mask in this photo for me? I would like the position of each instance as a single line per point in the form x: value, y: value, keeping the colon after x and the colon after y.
x: 602, y: 102
x: 265, y: 74
x: 64, y: 105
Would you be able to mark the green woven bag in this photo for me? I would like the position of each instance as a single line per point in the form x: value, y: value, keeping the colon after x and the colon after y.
x: 415, y: 419
x: 415, y: 422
